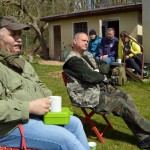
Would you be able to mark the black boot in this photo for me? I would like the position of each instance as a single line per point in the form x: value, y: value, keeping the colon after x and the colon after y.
x: 145, y: 144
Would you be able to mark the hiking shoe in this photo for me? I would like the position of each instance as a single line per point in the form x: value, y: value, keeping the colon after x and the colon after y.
x: 145, y: 74
x: 145, y: 144
x: 145, y: 67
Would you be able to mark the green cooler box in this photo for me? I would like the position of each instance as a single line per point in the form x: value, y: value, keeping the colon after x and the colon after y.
x: 58, y: 118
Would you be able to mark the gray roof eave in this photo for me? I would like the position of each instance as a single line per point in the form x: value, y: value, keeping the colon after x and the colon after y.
x: 100, y: 11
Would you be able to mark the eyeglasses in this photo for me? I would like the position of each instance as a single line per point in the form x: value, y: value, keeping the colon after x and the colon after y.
x: 15, y: 34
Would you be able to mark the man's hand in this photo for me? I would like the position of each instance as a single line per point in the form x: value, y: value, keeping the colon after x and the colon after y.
x: 127, y: 56
x: 39, y: 106
x: 103, y: 57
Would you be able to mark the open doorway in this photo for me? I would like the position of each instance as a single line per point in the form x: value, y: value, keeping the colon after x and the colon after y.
x: 105, y: 24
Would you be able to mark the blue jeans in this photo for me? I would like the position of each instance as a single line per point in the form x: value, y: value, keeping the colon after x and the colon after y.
x: 49, y: 137
x: 108, y: 60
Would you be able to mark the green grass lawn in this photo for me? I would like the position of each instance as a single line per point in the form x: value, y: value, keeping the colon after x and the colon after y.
x: 120, y: 138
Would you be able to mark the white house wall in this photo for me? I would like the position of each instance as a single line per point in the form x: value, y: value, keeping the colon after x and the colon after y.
x: 146, y: 29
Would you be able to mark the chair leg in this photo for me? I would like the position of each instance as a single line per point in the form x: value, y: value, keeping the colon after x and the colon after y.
x: 86, y: 114
x: 107, y: 121
x: 88, y: 119
x: 108, y: 124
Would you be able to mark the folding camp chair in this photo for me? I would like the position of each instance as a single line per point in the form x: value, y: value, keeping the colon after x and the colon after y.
x: 23, y: 143
x: 88, y: 117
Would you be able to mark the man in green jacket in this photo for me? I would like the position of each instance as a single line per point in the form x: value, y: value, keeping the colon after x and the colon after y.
x: 87, y: 88
x: 24, y: 99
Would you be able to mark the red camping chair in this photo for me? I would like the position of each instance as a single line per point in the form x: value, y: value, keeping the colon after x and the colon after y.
x: 88, y: 116
x: 9, y: 148
x: 23, y: 143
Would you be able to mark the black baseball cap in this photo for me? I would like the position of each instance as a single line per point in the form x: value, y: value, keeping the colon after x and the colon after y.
x: 11, y: 23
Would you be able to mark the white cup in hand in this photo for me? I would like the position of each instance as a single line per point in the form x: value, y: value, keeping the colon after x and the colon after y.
x: 56, y: 102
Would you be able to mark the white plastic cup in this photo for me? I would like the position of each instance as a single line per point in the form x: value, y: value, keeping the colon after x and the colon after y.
x: 92, y: 145
x: 56, y: 103
x: 119, y: 60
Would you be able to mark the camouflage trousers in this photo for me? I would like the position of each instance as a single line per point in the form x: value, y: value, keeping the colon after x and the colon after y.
x: 118, y: 103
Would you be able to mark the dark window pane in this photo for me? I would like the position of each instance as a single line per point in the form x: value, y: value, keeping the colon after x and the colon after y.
x: 80, y: 27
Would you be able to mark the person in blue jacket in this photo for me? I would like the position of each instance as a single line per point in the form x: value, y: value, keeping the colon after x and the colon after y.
x: 94, y: 43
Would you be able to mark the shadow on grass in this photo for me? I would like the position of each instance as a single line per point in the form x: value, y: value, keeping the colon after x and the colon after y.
x: 112, y: 134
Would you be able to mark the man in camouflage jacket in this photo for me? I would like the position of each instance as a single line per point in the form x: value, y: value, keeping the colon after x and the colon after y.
x: 87, y: 88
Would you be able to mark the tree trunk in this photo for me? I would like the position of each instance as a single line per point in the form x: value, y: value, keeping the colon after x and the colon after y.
x: 44, y: 48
